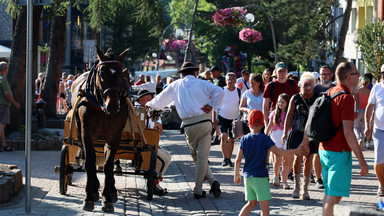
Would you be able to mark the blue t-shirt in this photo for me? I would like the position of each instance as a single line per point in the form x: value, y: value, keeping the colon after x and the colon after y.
x: 252, y: 101
x: 255, y: 150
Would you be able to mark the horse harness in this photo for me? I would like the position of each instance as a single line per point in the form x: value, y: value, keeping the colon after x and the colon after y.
x: 96, y: 101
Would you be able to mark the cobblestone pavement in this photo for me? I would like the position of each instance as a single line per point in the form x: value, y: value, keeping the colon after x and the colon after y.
x: 179, y: 180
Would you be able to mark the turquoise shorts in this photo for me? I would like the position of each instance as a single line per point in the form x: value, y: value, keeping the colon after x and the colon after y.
x: 257, y: 189
x: 337, y: 172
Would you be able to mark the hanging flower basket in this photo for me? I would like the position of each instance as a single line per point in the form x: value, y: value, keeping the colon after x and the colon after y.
x: 250, y: 36
x: 229, y: 16
x: 178, y: 45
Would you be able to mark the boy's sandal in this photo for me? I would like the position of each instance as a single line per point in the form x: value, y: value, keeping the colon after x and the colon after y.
x: 6, y: 148
x: 380, y: 192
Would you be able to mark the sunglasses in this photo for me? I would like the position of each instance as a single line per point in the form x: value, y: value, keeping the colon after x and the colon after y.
x: 281, y: 65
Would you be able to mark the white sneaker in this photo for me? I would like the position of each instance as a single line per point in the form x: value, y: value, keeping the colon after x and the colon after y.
x: 368, y: 145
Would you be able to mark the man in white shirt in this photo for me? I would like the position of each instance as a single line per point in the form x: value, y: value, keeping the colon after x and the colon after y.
x: 375, y: 107
x: 163, y: 157
x: 227, y: 113
x: 194, y: 100
x: 243, y: 82
x: 150, y: 85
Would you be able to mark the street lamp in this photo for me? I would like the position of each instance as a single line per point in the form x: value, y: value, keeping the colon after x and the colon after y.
x: 251, y: 18
x: 178, y: 31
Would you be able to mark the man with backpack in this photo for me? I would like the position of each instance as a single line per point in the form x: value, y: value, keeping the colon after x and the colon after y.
x: 335, y: 153
x: 227, y: 113
x: 274, y: 88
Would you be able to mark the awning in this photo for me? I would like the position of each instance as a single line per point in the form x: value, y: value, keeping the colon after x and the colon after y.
x: 5, y: 52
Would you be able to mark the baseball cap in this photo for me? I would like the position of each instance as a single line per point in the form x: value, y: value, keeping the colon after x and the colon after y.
x: 69, y: 82
x: 255, y: 117
x: 280, y: 65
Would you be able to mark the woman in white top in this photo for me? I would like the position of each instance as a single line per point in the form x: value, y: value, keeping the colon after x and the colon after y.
x: 252, y: 98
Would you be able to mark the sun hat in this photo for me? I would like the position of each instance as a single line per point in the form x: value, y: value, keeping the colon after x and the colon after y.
x: 187, y: 66
x: 142, y: 93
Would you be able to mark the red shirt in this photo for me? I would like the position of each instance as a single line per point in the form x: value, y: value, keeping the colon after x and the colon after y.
x: 139, y: 83
x: 280, y: 88
x: 343, y: 108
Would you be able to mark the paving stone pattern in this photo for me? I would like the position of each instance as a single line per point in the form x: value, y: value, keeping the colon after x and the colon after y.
x: 179, y: 180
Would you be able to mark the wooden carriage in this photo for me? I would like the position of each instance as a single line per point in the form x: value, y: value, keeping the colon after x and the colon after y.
x: 138, y: 144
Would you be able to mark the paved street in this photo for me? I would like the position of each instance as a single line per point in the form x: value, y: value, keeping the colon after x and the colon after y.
x: 179, y: 180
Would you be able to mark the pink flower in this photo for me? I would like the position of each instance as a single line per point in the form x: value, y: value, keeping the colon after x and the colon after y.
x: 229, y: 16
x: 250, y: 36
x: 178, y: 45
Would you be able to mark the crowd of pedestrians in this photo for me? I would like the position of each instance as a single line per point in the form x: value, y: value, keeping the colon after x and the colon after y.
x: 274, y: 111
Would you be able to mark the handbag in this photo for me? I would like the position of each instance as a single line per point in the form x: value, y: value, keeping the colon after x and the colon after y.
x: 237, y: 127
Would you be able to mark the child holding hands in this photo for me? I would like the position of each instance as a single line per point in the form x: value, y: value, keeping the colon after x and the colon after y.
x: 275, y: 130
x: 254, y: 146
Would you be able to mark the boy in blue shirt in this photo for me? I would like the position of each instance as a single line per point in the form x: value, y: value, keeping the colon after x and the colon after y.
x: 254, y: 146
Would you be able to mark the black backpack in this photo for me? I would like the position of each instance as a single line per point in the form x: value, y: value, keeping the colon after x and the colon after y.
x: 320, y: 126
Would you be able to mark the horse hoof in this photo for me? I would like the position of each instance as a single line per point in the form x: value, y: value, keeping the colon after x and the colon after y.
x: 88, y: 205
x: 107, y: 207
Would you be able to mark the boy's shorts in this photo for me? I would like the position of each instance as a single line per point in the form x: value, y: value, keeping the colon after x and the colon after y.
x: 257, y: 189
x: 337, y: 172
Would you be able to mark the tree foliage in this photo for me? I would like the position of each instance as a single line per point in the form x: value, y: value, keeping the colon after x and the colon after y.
x: 371, y: 43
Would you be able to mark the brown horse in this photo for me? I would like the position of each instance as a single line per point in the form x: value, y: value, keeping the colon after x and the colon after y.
x: 101, y: 114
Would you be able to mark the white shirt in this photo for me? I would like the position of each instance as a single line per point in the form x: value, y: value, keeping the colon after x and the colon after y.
x: 149, y: 86
x: 377, y: 97
x: 245, y: 84
x: 230, y: 107
x: 190, y: 95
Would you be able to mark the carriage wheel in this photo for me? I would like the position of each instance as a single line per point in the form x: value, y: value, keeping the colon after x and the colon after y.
x: 151, y: 176
x: 64, y: 170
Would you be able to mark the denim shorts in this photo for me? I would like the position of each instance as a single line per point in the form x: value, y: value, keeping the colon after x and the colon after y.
x: 257, y: 189
x: 378, y: 140
x: 337, y: 172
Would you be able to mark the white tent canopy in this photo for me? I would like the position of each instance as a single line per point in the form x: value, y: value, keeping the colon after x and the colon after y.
x: 5, y: 52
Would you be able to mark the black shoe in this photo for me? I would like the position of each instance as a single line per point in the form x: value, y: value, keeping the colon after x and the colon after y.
x: 319, y: 184
x: 215, y: 141
x: 198, y: 196
x: 229, y: 162
x: 215, y: 189
x: 224, y: 163
x: 159, y: 192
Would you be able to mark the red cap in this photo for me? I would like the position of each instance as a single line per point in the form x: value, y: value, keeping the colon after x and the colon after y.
x: 255, y: 117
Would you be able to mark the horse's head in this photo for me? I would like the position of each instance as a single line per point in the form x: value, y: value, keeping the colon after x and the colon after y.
x: 109, y: 75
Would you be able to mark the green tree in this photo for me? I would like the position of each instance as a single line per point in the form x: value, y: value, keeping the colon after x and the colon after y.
x: 371, y: 43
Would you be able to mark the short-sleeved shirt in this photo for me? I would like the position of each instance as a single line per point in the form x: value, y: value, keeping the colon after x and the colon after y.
x: 281, y: 123
x: 4, y: 86
x: 319, y: 88
x: 280, y: 88
x: 255, y: 150
x: 230, y: 107
x: 377, y: 97
x: 220, y: 81
x: 343, y: 108
x: 253, y: 102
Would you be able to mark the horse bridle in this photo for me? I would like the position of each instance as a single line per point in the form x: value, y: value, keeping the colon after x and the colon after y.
x: 101, y: 91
